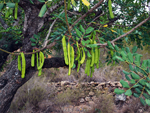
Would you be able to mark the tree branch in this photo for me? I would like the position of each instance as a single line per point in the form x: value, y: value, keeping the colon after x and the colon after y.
x: 52, y: 8
x: 141, y: 23
x: 89, y: 11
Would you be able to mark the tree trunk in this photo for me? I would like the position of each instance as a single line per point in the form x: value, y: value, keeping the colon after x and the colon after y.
x: 11, y: 80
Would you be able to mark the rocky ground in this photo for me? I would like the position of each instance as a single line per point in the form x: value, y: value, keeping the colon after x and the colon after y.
x: 85, y: 97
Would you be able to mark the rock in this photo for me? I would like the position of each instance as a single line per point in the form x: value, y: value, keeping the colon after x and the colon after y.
x: 91, y: 103
x: 67, y: 109
x: 94, y: 98
x: 87, y: 99
x: 99, y: 87
x: 121, y: 97
x: 91, y: 93
x: 57, y: 84
x: 59, y: 89
x: 63, y: 83
x: 82, y: 100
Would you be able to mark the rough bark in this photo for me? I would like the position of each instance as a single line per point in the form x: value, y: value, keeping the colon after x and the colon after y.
x: 11, y: 80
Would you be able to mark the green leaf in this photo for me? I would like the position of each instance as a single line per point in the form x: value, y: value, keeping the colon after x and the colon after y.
x: 130, y: 57
x: 138, y: 90
x: 148, y: 62
x: 83, y: 42
x: 117, y: 48
x: 148, y: 85
x: 147, y: 102
x: 91, y: 45
x: 138, y: 85
x: 43, y: 10
x: 146, y: 96
x: 136, y: 95
x: 142, y: 101
x: 125, y: 72
x: 131, y: 68
x: 33, y: 44
x: 32, y: 40
x: 110, y: 45
x: 117, y: 53
x: 73, y: 3
x: 148, y: 79
x: 142, y: 82
x: 132, y: 81
x: 10, y: 5
x: 82, y: 29
x: 89, y: 30
x: 78, y: 32
x: 36, y: 36
x: 148, y: 91
x: 128, y: 92
x: 31, y: 1
x: 124, y: 84
x: 1, y: 6
x: 135, y: 76
x: 136, y: 69
x: 119, y: 91
x: 124, y: 56
x: 41, y: 0
x: 119, y: 58
x: 137, y: 59
x: 128, y: 78
x: 127, y: 49
x: 134, y: 49
x: 144, y: 65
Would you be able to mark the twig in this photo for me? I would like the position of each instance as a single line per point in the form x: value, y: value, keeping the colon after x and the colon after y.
x: 95, y: 19
x: 52, y: 8
x: 89, y: 11
x: 66, y: 17
x: 141, y: 23
x: 50, y: 29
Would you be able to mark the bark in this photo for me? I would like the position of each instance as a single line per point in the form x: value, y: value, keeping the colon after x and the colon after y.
x: 11, y: 80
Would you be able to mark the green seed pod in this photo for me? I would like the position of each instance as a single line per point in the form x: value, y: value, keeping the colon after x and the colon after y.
x: 23, y: 65
x: 65, y: 50
x: 72, y: 56
x: 83, y: 57
x: 69, y: 72
x: 110, y: 9
x: 32, y: 59
x: 19, y: 62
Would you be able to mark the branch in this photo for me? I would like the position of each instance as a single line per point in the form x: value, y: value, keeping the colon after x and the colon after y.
x: 50, y: 29
x: 89, y: 11
x: 52, y: 8
x: 141, y: 23
x: 95, y: 19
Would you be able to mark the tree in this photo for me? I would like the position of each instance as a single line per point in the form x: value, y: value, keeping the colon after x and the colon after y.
x: 25, y: 23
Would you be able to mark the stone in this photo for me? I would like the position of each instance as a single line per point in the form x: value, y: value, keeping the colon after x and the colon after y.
x: 99, y: 87
x: 91, y: 93
x: 91, y: 103
x: 121, y: 97
x: 82, y: 100
x: 67, y: 109
x: 94, y: 98
x: 87, y: 99
x: 63, y: 83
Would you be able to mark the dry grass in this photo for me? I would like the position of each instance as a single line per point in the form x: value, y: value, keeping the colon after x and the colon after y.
x: 29, y: 95
x: 104, y: 104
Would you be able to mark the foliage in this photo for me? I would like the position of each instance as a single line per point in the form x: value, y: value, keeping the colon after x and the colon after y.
x: 86, y: 37
x: 138, y: 78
